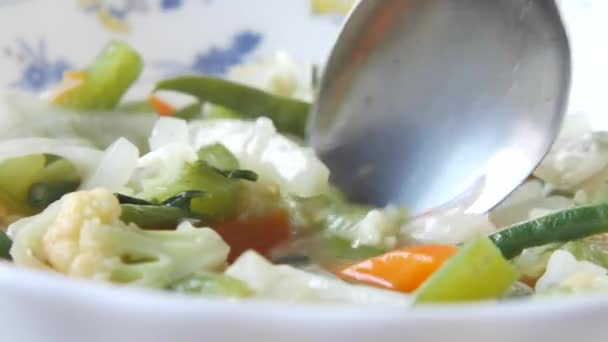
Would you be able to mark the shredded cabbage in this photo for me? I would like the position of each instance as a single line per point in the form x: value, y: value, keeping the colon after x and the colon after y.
x: 260, y: 148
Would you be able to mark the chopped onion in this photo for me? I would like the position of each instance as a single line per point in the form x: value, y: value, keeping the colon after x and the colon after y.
x: 115, y: 167
x: 84, y: 157
x: 167, y: 131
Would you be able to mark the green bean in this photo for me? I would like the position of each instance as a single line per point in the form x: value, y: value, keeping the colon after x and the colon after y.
x: 189, y: 112
x: 5, y: 246
x: 289, y: 115
x: 562, y: 226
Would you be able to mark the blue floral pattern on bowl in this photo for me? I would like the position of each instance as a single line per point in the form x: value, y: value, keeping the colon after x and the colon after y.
x: 216, y: 60
x: 114, y: 14
x: 38, y: 70
x: 173, y: 36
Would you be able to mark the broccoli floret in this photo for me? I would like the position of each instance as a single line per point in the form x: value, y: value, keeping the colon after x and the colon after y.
x: 82, y: 235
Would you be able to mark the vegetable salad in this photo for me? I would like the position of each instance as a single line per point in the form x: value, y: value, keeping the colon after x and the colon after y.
x: 204, y: 187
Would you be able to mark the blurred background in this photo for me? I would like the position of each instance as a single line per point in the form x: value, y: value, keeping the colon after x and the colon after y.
x: 40, y: 39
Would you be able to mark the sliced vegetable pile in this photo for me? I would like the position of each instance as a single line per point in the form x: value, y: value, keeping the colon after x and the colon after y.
x: 217, y: 196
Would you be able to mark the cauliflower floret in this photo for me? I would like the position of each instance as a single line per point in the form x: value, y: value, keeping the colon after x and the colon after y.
x: 378, y: 228
x: 279, y: 74
x: 82, y: 235
x: 447, y: 226
x: 577, y: 155
x: 566, y: 274
x: 80, y: 214
x: 290, y: 284
x: 260, y: 148
x: 528, y: 201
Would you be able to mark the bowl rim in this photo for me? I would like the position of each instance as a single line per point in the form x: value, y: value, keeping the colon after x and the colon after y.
x: 17, y: 280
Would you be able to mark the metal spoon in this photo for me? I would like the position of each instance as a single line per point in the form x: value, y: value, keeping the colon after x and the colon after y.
x: 423, y: 101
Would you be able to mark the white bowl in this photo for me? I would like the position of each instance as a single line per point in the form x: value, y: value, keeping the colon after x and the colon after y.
x: 41, y: 38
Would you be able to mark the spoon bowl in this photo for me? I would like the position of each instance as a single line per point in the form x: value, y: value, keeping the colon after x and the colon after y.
x: 424, y: 101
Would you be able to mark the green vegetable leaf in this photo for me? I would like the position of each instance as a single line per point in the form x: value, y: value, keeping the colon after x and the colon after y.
x: 154, y: 216
x: 124, y: 199
x: 166, y: 214
x: 218, y: 156
x: 222, y: 194
x: 224, y: 162
x: 239, y: 174
x: 183, y: 200
x: 209, y: 187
